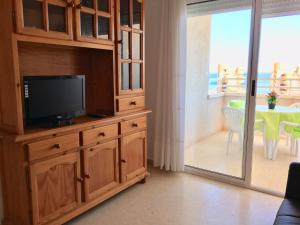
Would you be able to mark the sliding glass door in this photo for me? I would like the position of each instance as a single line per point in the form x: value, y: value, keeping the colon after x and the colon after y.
x: 243, y: 91
x: 276, y: 143
x: 220, y: 58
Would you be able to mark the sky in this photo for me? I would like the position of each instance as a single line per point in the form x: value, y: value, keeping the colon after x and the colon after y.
x: 230, y: 38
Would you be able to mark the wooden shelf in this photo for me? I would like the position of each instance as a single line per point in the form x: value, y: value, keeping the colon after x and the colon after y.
x: 81, y: 123
x: 32, y: 39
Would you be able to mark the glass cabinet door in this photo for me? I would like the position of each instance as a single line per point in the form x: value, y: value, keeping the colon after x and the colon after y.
x: 51, y: 18
x: 94, y: 21
x: 131, y: 46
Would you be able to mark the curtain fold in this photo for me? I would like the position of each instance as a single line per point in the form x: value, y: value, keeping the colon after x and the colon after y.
x: 166, y: 74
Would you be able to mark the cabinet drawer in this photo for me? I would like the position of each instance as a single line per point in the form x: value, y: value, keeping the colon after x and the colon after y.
x: 99, y: 134
x: 131, y: 103
x: 40, y: 149
x: 132, y: 125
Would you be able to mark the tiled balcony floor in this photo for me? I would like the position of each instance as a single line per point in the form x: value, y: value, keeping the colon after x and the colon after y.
x: 210, y: 154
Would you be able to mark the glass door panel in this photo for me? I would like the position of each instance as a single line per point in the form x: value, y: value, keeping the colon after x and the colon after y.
x: 51, y: 18
x: 57, y: 18
x: 103, y: 28
x: 94, y: 19
x: 33, y: 14
x: 131, y: 46
x: 137, y: 14
x: 124, y: 12
x: 219, y: 36
x: 125, y: 45
x: 88, y: 3
x: 136, y: 46
x: 276, y: 144
x: 136, y: 76
x: 103, y: 5
x: 125, y: 76
x: 87, y: 24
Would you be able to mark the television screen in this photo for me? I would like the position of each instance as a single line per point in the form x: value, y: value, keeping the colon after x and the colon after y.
x: 49, y: 97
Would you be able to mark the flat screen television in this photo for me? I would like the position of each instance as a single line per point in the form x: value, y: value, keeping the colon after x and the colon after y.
x: 53, y: 99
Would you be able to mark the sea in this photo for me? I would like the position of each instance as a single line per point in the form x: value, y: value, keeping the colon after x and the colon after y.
x: 213, y: 82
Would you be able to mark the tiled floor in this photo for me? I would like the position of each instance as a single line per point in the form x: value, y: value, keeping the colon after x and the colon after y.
x: 210, y: 154
x: 183, y: 199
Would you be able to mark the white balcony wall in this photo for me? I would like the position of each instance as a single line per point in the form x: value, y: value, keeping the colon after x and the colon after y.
x: 203, y: 116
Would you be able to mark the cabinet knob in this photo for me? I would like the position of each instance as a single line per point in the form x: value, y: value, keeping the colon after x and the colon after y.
x: 80, y: 179
x: 123, y: 160
x: 57, y: 146
x: 102, y: 134
x: 135, y: 125
x: 87, y: 176
x: 133, y: 103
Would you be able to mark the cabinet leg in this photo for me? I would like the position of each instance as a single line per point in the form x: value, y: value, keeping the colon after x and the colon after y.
x: 143, y: 181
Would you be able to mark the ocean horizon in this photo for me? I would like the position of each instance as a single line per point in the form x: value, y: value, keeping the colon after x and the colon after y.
x: 213, y: 82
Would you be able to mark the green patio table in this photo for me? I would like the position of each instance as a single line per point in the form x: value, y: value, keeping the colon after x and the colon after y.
x: 272, y: 120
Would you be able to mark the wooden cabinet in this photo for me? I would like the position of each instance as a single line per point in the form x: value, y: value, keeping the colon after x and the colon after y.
x: 133, y: 125
x: 52, y: 146
x: 45, y: 18
x: 95, y: 21
x: 133, y: 155
x: 130, y: 36
x: 96, y: 135
x: 101, y: 169
x: 55, y: 187
x: 129, y: 104
x: 51, y: 175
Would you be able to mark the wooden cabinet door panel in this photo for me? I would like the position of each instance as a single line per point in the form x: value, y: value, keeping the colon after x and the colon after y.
x: 55, y: 187
x: 101, y: 166
x: 133, y: 155
x: 95, y: 21
x: 44, y: 18
x: 131, y: 44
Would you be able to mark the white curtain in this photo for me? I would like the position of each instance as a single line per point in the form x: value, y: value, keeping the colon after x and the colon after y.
x: 166, y: 73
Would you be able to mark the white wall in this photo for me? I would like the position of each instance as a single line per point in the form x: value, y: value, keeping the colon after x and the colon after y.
x: 203, y: 115
x: 152, y: 14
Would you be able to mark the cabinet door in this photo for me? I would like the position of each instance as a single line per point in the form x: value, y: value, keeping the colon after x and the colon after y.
x: 55, y: 187
x: 133, y: 155
x: 130, y: 35
x: 45, y: 18
x: 95, y: 21
x: 101, y: 169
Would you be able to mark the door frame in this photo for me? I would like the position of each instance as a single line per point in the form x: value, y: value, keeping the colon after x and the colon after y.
x: 245, y: 180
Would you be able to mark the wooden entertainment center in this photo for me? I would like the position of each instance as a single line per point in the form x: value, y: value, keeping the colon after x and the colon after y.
x: 50, y: 176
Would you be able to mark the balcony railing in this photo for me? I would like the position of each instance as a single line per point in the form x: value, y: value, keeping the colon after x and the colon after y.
x: 286, y: 86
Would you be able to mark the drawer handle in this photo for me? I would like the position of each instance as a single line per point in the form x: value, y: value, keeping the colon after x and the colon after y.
x: 87, y: 176
x: 57, y: 146
x: 123, y: 160
x: 133, y: 103
x: 80, y: 179
x: 102, y: 134
x: 135, y: 125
